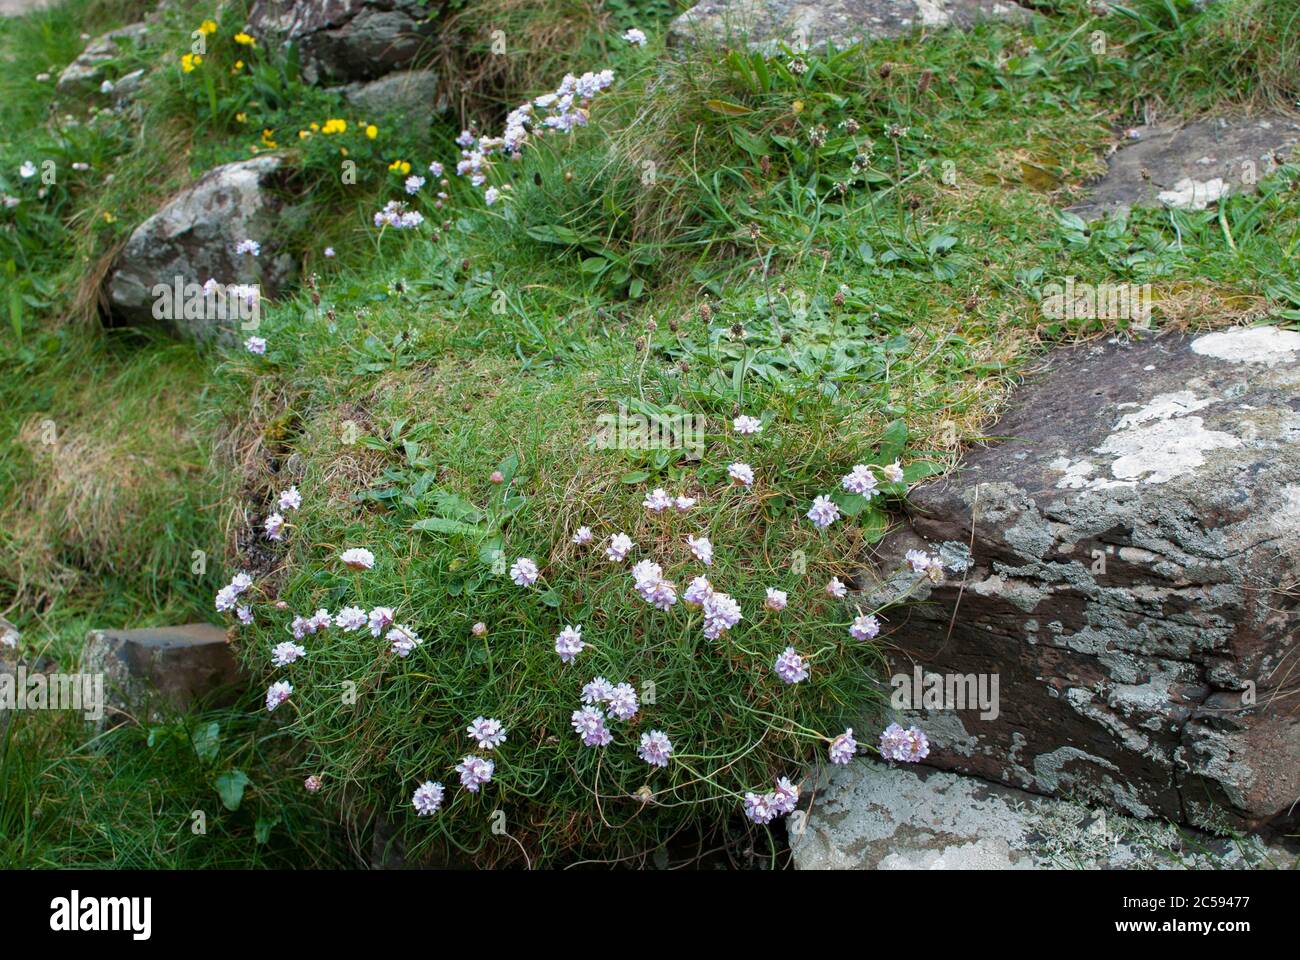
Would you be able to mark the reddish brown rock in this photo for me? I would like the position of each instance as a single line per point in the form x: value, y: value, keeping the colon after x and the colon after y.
x: 173, y: 666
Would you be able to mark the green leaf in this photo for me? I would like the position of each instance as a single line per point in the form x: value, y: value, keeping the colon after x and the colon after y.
x: 850, y: 504
x: 893, y: 441
x: 727, y: 108
x: 207, y: 741
x: 444, y: 525
x: 262, y: 829
x: 636, y: 476
x: 920, y: 470
x: 550, y: 598
x: 230, y: 785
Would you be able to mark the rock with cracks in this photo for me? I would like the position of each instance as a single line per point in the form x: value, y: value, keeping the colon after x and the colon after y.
x: 192, y: 239
x: 1124, y: 564
x: 346, y: 41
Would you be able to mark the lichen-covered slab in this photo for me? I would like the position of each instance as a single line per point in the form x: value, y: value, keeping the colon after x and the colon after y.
x: 1125, y: 562
x: 768, y: 23
x: 1192, y: 165
x: 193, y: 238
x: 872, y: 816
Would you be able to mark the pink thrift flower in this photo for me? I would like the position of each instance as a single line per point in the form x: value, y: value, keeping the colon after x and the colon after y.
x: 427, y: 798
x: 906, y: 746
x: 741, y: 474
x: 843, y: 747
x: 776, y: 599
x: 620, y: 545
x: 524, y: 572
x: 569, y: 643
x: 824, y: 512
x: 864, y: 627
x: 790, y: 666
x: 655, y: 748
x: 474, y: 772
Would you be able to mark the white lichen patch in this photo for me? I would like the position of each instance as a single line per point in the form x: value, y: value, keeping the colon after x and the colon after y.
x: 1166, y: 405
x: 1163, y: 450
x: 1190, y: 194
x: 1267, y: 345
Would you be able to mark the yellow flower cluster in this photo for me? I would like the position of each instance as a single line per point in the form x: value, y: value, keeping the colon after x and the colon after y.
x: 207, y: 28
x: 334, y: 126
x: 400, y: 166
x: 189, y: 61
x: 245, y: 40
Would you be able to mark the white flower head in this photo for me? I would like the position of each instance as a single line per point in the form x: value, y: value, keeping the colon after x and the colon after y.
x: 278, y: 693
x: 620, y: 545
x: 701, y: 548
x: 357, y: 558
x: 524, y: 572
x: 741, y: 474
x: 427, y: 798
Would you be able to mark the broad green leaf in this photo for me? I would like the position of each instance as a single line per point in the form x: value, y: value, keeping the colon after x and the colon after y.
x: 230, y: 785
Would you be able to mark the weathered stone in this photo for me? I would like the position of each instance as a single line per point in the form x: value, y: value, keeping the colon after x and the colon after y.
x: 18, y: 8
x: 174, y: 666
x: 91, y: 67
x: 342, y: 41
x: 193, y: 238
x: 411, y: 94
x: 872, y: 816
x: 767, y: 23
x: 1193, y: 164
x: 1124, y: 565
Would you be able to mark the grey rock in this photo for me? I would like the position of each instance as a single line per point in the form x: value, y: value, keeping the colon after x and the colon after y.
x: 1133, y: 551
x: 767, y: 23
x: 91, y: 67
x: 410, y: 94
x: 1200, y: 161
x: 868, y: 815
x: 193, y: 238
x: 345, y: 41
x: 19, y: 8
x: 175, y: 667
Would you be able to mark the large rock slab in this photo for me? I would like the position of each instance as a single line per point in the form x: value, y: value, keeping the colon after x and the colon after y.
x: 194, y: 237
x: 767, y: 23
x: 172, y: 666
x: 1191, y: 165
x: 343, y: 41
x: 873, y: 816
x: 410, y: 94
x: 1124, y: 565
x: 92, y: 67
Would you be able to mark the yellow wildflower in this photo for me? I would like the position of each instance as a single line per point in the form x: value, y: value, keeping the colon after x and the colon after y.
x: 245, y: 39
x: 239, y: 64
x: 189, y: 61
x: 207, y: 28
x: 109, y: 218
x: 241, y: 118
x: 304, y: 134
x: 400, y: 166
x: 372, y: 131
x: 335, y: 126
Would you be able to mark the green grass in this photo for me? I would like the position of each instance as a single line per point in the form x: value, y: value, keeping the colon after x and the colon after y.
x: 727, y: 235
